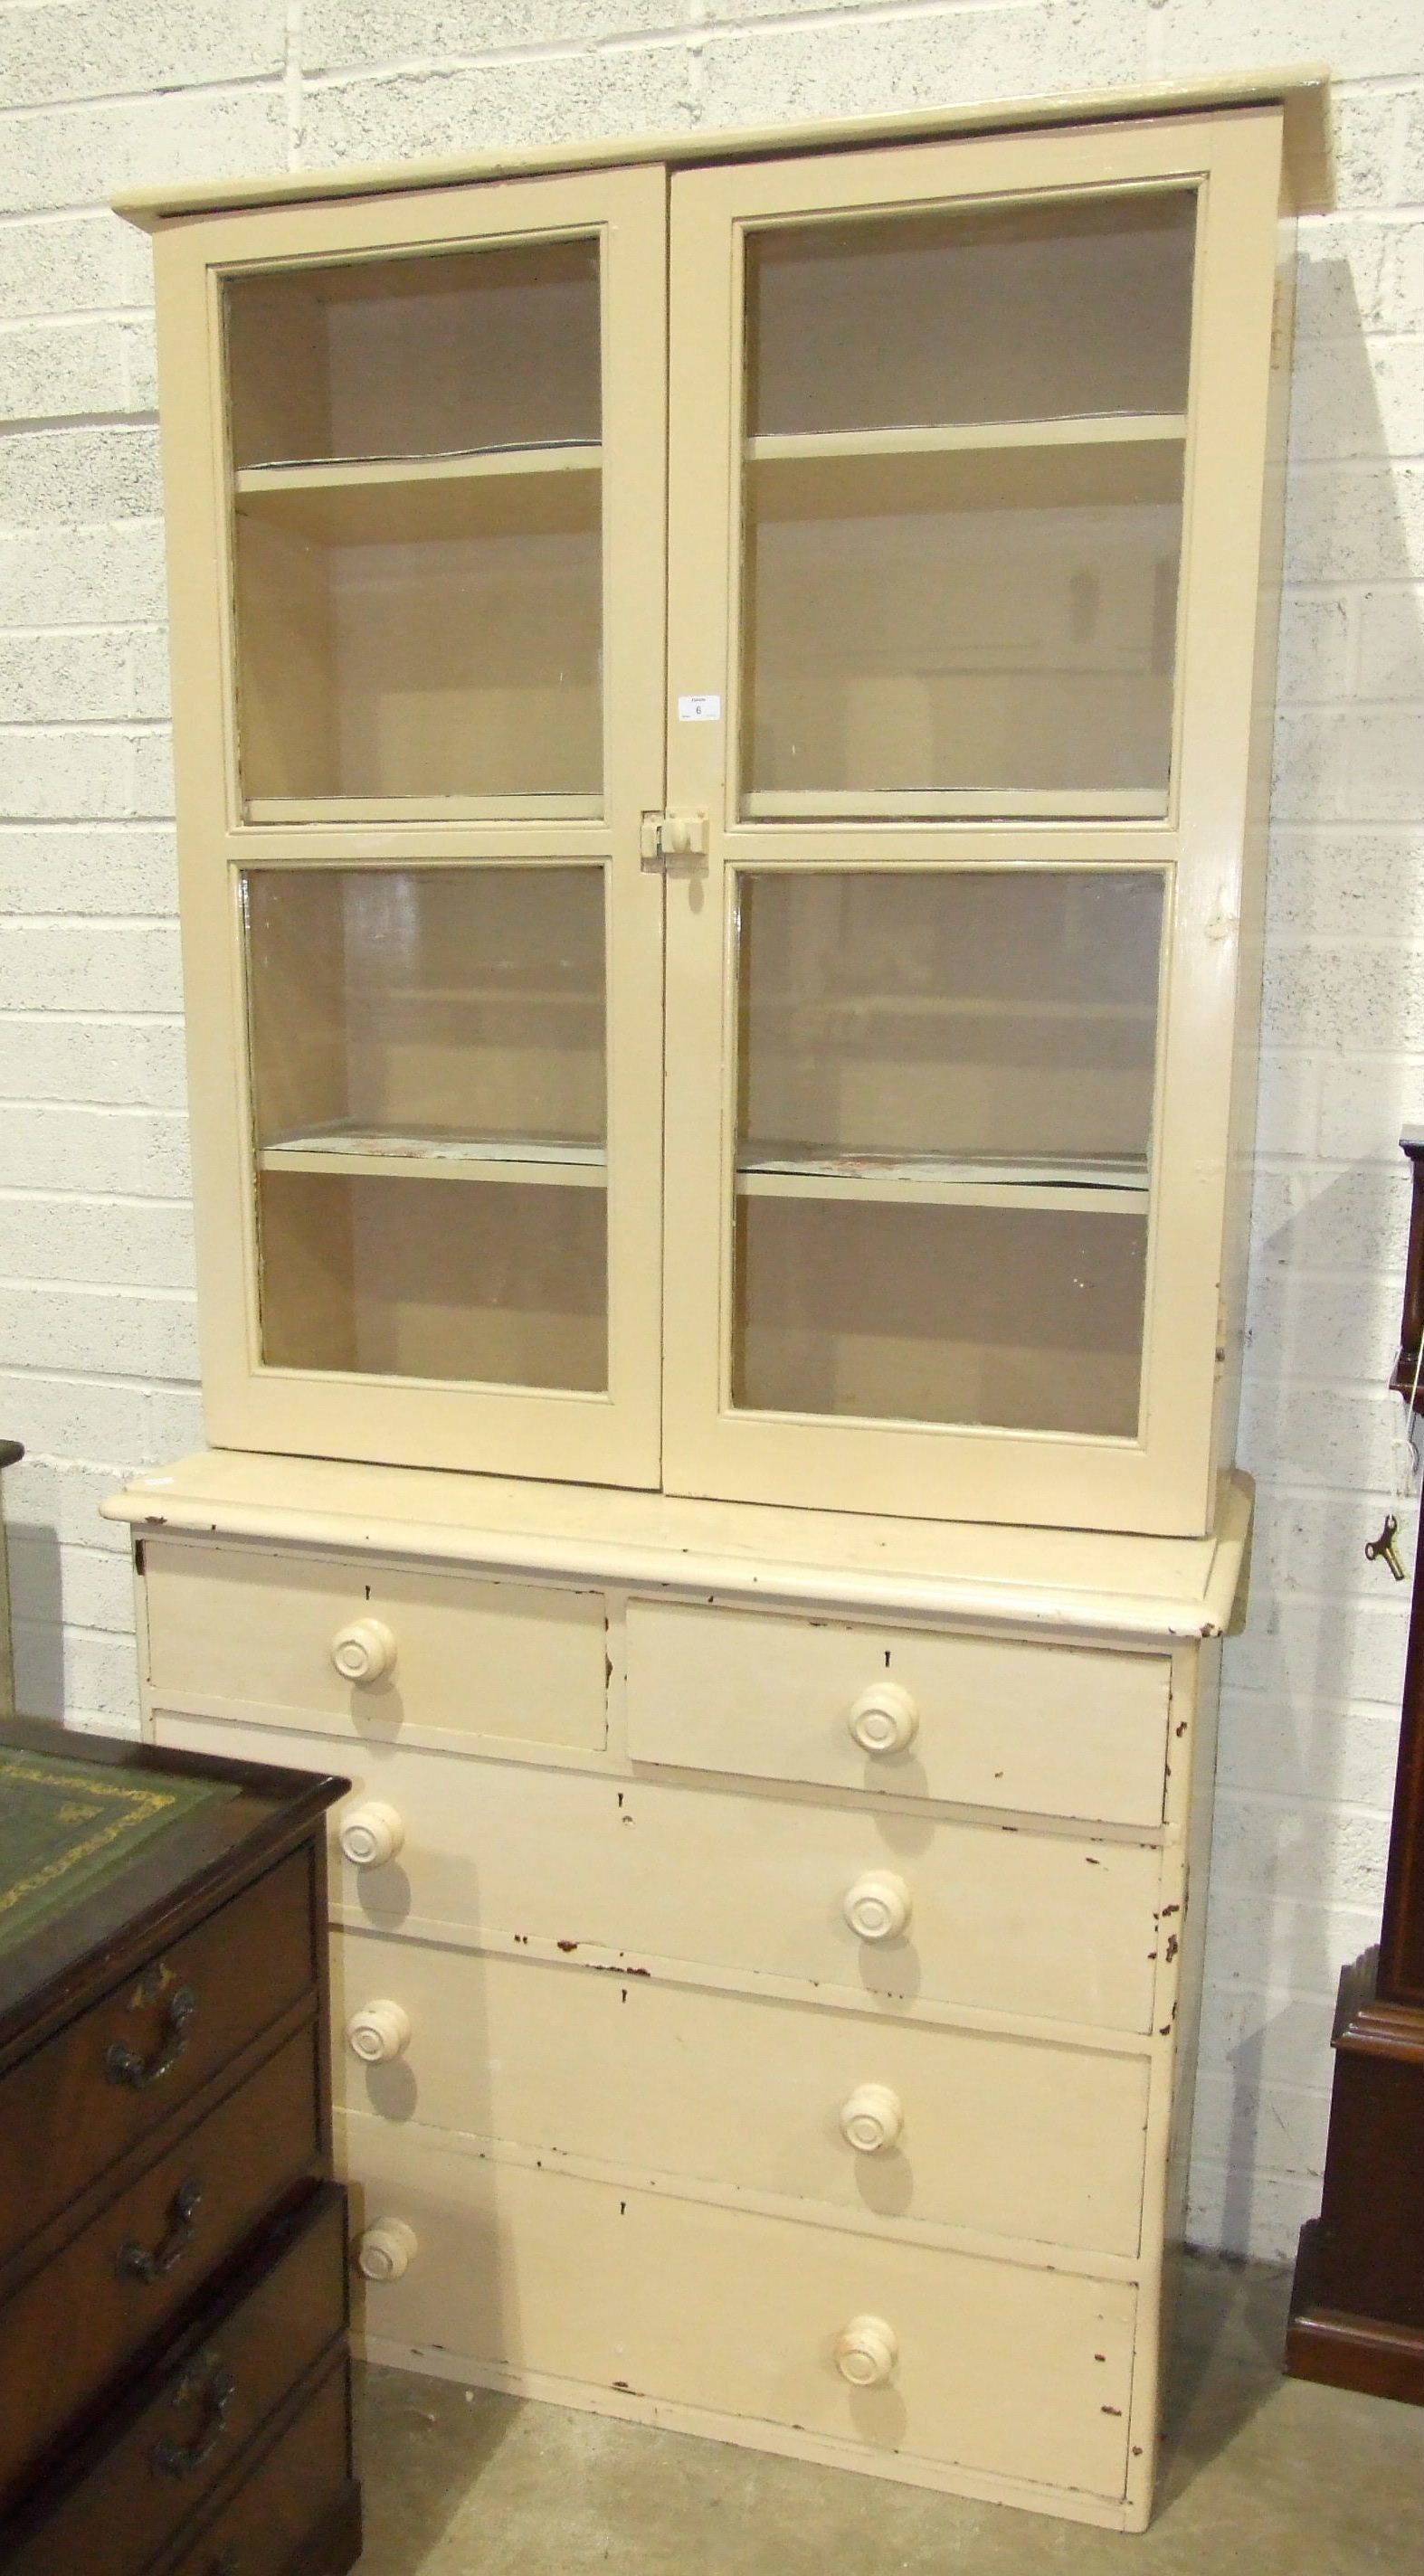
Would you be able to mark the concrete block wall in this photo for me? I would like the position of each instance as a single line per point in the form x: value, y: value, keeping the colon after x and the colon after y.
x: 96, y: 1306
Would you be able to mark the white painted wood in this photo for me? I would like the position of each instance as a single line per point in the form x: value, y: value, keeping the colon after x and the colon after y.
x: 502, y: 1660
x: 1008, y: 2137
x: 1025, y: 2374
x: 1052, y: 1583
x: 1060, y: 1731
x: 1005, y: 1919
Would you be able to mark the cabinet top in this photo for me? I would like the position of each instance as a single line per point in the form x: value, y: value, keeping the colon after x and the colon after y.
x: 1301, y: 90
x: 1034, y: 1581
x: 110, y: 1845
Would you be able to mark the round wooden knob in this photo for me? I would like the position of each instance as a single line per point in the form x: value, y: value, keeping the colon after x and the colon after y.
x: 372, y: 1835
x: 378, y: 2032
x: 364, y: 1650
x: 867, y: 2351
x: 872, y: 2118
x: 879, y: 1906
x: 386, y: 2250
x: 884, y: 1719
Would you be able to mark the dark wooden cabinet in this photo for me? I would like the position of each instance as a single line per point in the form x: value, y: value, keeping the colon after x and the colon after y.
x: 173, y: 2344
x: 1357, y: 2302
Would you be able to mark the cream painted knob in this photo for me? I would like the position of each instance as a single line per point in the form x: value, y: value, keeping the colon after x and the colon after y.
x: 364, y: 1651
x: 879, y: 1906
x: 378, y: 2032
x: 867, y: 2351
x: 872, y: 2118
x: 386, y: 2249
x: 372, y: 1835
x: 884, y: 1719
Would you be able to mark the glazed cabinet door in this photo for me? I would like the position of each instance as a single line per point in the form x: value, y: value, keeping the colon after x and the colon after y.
x: 967, y: 446
x: 416, y: 524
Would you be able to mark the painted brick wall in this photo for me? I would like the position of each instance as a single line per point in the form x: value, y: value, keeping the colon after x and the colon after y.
x: 96, y: 1312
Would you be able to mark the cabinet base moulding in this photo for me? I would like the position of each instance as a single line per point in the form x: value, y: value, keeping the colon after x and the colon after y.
x: 788, y: 2442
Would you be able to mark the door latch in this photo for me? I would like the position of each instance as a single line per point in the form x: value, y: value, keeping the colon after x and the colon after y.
x: 667, y: 838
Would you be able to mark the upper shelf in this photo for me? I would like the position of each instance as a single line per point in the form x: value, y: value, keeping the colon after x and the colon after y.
x: 1093, y: 429
x: 484, y: 491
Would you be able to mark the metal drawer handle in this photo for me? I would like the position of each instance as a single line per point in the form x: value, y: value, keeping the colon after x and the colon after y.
x: 211, y: 2379
x: 124, y: 2065
x: 137, y: 2265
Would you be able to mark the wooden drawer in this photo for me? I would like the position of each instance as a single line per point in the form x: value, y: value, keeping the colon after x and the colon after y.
x: 521, y: 1662
x: 1017, y: 2372
x: 86, y: 2311
x: 1054, y: 1730
x: 1018, y: 2138
x: 184, y: 2432
x: 91, y: 2093
x: 297, y: 2498
x: 651, y: 1874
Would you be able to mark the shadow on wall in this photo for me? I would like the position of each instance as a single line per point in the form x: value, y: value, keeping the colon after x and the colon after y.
x: 34, y: 1678
x: 1313, y: 1685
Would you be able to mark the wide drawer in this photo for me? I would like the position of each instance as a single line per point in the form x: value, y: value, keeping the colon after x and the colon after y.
x: 521, y: 1662
x: 234, y: 2369
x: 93, y: 2091
x: 297, y: 2509
x: 1002, y: 2368
x: 113, y: 2288
x: 992, y: 1722
x: 651, y: 1874
x: 1019, y: 2138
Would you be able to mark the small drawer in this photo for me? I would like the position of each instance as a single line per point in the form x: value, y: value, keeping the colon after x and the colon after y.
x: 92, y: 2092
x: 655, y: 1874
x: 355, y: 1646
x: 854, y: 2111
x: 994, y: 2367
x: 976, y: 1721
x: 189, y: 2426
x: 297, y: 2507
x: 113, y: 2288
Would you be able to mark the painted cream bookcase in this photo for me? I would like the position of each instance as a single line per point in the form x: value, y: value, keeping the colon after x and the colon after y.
x: 720, y: 695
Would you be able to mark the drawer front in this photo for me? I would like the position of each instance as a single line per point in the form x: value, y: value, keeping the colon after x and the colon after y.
x: 1054, y: 1730
x: 651, y: 1873
x: 83, y: 2314
x: 299, y: 2487
x: 1001, y: 2368
x: 1015, y: 2137
x: 84, y: 2099
x: 516, y: 1661
x: 256, y: 2347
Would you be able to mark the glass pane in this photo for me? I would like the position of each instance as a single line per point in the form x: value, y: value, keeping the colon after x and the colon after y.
x: 963, y: 508
x: 417, y: 528
x: 428, y: 639
x: 945, y: 1100
x: 429, y: 356
x: 428, y: 1100
x: 1063, y: 307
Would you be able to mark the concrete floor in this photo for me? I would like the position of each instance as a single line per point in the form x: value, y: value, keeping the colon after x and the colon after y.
x: 1263, y: 2476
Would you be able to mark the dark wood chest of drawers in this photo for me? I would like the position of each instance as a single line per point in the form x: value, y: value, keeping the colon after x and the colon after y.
x: 174, y: 2394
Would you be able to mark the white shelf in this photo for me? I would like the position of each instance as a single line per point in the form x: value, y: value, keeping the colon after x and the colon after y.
x: 935, y: 804
x: 394, y: 500
x: 555, y: 807
x: 1114, y: 1186
x: 459, y: 465
x: 372, y: 1153
x: 1094, y: 429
